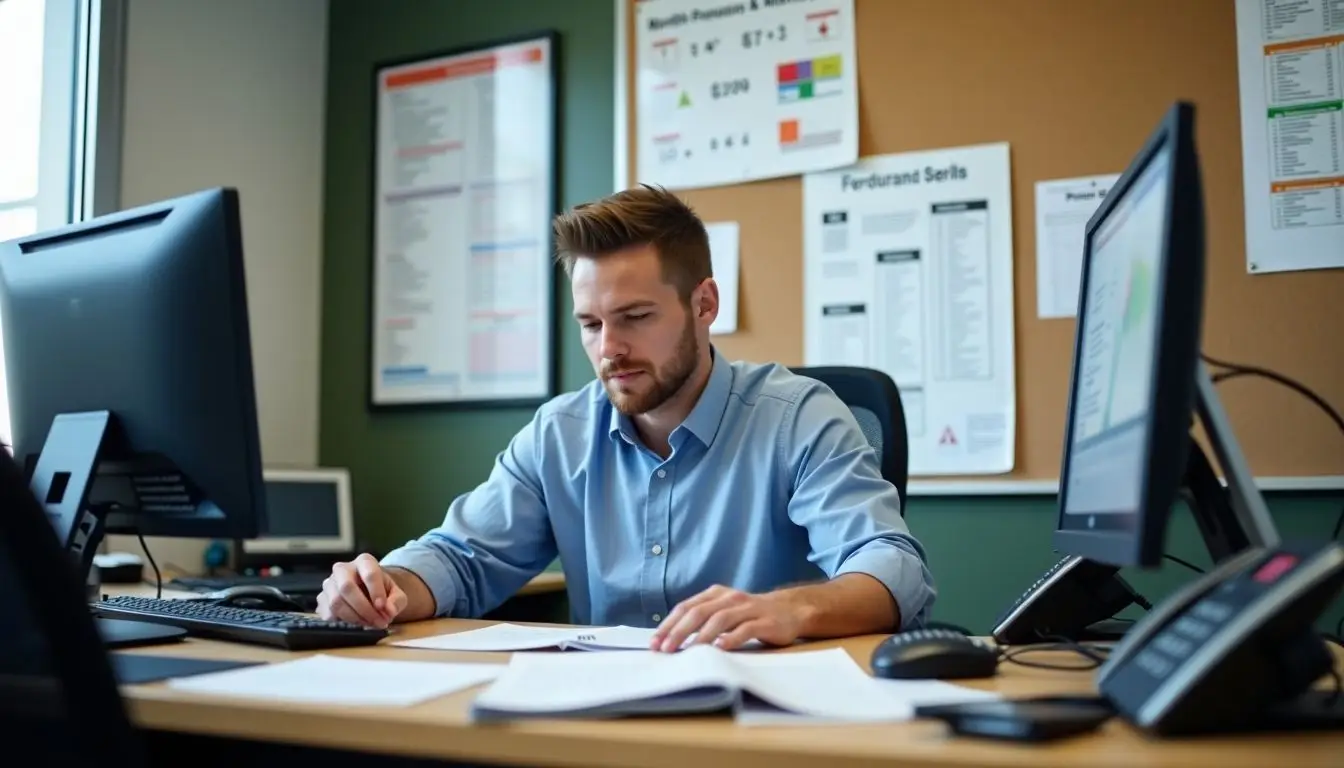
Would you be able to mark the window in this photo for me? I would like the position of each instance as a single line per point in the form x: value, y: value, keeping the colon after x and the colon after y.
x: 48, y: 60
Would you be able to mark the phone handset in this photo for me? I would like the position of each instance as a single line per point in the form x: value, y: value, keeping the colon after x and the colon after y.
x: 1165, y: 611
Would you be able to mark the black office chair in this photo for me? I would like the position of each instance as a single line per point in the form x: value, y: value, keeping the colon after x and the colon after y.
x: 875, y: 401
x: 58, y: 695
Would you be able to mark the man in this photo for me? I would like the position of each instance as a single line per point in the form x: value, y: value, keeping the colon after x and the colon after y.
x: 728, y: 501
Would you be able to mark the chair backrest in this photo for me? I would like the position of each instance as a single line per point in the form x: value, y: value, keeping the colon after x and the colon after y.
x: 875, y: 401
x: 57, y: 691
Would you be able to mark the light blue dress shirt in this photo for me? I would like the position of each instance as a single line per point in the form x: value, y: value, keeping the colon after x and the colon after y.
x: 770, y: 483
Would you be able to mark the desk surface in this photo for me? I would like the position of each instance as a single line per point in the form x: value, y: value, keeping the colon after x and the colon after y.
x: 441, y: 728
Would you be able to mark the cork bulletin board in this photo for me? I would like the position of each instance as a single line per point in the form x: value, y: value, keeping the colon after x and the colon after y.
x: 1074, y: 88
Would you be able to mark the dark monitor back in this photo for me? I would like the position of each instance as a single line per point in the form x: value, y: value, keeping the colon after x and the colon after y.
x: 143, y: 313
x: 58, y: 698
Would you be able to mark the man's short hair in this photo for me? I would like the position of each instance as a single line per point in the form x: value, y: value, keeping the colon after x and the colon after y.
x: 642, y: 215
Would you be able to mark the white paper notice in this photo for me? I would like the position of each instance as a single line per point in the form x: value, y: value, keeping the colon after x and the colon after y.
x: 1063, y: 207
x: 462, y: 271
x: 908, y: 268
x: 725, y: 257
x: 325, y: 679
x: 731, y: 93
x: 1290, y: 56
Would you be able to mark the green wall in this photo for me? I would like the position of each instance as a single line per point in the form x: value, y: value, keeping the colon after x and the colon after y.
x: 408, y: 466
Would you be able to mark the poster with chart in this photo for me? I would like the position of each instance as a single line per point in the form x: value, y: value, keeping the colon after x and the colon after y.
x: 734, y: 92
x: 908, y: 268
x: 1290, y: 56
x: 464, y: 184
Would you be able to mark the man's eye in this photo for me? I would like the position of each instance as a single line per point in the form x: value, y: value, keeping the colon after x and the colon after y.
x: 633, y: 318
x: 591, y: 326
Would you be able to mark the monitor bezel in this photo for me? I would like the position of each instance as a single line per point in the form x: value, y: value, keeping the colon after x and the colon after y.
x: 1138, y: 538
x: 344, y: 541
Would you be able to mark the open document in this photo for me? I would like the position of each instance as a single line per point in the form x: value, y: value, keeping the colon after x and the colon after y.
x: 803, y: 686
x: 520, y: 637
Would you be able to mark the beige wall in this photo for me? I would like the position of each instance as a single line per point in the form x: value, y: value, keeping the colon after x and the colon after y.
x: 233, y: 94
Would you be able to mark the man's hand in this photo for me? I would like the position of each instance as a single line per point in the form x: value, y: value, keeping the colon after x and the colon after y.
x: 361, y: 592
x: 729, y: 618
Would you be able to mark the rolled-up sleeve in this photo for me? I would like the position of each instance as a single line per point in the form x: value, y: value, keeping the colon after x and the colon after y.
x: 851, y: 513
x: 493, y: 539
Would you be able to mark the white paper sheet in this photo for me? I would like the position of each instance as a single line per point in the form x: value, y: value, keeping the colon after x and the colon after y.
x: 725, y: 257
x: 908, y: 268
x: 324, y: 679
x: 1290, y: 58
x: 520, y: 637
x: 771, y: 688
x: 1063, y: 207
x: 725, y: 98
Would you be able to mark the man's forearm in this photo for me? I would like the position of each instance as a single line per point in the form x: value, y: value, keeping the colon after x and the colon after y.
x: 850, y: 604
x: 419, y: 600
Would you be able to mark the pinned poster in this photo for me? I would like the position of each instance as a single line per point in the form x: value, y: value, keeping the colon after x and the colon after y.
x: 908, y: 268
x: 731, y: 94
x: 726, y: 264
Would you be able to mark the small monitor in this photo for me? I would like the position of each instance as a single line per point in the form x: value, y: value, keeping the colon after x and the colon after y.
x: 129, y: 367
x: 307, y: 511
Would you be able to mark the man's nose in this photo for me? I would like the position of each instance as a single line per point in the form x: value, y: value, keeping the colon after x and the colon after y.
x: 613, y: 345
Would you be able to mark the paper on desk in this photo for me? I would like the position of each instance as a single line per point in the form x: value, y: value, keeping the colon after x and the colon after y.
x: 517, y: 637
x: 326, y: 679
x: 828, y: 686
x: 769, y: 688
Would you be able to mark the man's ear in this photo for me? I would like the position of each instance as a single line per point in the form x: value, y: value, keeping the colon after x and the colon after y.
x: 705, y: 301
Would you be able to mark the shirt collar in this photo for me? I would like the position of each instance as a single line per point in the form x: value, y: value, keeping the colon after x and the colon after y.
x: 704, y: 419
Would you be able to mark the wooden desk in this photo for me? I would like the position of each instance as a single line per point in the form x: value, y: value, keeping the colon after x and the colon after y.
x: 441, y: 728
x: 544, y: 583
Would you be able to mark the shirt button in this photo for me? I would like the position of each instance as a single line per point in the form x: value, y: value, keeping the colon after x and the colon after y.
x: 657, y: 549
x: 657, y: 617
x: 662, y: 473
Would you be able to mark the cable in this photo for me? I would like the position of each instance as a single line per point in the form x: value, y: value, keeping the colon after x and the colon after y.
x: 158, y: 577
x: 1237, y: 369
x: 1093, y: 657
x: 1185, y: 563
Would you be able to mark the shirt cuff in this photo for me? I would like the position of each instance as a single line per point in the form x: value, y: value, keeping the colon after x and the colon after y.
x: 901, y: 572
x: 431, y: 569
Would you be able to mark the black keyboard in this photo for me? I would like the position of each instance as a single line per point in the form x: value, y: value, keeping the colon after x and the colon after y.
x: 206, y: 618
x: 290, y: 583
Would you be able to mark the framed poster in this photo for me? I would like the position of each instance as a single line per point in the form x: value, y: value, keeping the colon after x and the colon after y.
x: 463, y: 283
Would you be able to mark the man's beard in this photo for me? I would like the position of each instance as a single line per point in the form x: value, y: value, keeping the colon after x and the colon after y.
x: 666, y: 383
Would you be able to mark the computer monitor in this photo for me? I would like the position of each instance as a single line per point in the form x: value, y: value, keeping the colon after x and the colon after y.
x: 1137, y: 386
x: 129, y: 365
x: 308, y: 512
x: 1137, y: 378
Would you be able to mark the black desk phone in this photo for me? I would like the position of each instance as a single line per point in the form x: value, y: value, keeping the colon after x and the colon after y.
x: 1235, y: 650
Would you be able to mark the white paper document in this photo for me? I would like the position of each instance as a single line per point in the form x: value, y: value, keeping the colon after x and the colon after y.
x: 1063, y: 207
x: 740, y: 92
x: 462, y: 297
x: 1290, y: 57
x: 520, y: 637
x: 324, y: 679
x: 908, y: 268
x: 724, y: 257
x: 811, y: 686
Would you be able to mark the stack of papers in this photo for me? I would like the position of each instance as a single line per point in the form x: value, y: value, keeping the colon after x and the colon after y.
x: 515, y: 637
x: 799, y: 687
x: 326, y: 679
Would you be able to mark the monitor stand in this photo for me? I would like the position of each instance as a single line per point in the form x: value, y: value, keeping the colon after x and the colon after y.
x: 61, y: 480
x: 1077, y: 599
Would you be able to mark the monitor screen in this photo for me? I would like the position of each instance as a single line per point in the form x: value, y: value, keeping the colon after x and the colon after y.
x: 1117, y: 356
x: 307, y: 510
